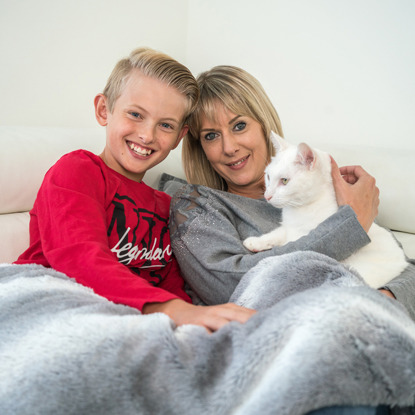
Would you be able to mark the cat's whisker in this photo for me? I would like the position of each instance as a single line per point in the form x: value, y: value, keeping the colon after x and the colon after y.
x: 291, y: 204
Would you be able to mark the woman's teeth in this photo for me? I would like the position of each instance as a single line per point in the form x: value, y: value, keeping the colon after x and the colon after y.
x: 139, y: 150
x: 239, y: 162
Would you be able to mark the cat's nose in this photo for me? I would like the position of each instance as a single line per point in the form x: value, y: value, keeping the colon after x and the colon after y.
x: 267, y: 197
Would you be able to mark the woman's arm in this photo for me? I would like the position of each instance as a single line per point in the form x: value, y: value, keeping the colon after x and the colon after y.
x: 403, y: 288
x: 207, y: 233
x: 356, y: 188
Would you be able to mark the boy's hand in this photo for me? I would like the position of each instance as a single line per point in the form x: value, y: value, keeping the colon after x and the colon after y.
x: 210, y: 317
x: 356, y: 188
x: 387, y: 293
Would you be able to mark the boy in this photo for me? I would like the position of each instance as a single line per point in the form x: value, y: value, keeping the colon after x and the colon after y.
x: 96, y: 221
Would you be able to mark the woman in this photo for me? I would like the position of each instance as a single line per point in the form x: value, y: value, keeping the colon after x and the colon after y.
x: 226, y: 151
x: 224, y: 157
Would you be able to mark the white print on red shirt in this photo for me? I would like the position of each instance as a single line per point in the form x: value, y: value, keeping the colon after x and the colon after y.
x: 127, y: 252
x: 139, y: 238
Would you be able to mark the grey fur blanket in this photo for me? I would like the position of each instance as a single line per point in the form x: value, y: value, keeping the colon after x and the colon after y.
x: 323, y: 338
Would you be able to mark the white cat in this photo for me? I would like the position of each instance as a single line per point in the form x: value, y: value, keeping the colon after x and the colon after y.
x: 298, y: 180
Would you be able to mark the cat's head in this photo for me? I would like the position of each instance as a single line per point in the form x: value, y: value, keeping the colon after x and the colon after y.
x: 296, y: 174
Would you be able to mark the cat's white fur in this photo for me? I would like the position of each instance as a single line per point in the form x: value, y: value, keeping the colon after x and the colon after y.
x: 298, y: 180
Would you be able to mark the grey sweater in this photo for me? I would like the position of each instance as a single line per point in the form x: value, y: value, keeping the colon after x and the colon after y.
x: 208, y: 226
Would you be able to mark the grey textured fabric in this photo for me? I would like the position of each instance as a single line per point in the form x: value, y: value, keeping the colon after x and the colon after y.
x: 330, y: 341
x: 208, y: 226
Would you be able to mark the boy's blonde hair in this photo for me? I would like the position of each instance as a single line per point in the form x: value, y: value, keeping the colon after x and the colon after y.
x: 242, y: 94
x: 156, y: 65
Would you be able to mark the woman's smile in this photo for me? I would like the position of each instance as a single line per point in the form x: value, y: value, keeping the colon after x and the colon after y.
x: 236, y: 148
x: 239, y: 164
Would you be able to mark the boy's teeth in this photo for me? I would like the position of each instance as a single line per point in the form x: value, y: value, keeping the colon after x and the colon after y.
x: 139, y: 150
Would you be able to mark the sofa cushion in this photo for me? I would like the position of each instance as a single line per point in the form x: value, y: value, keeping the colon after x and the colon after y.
x: 14, y: 231
x: 408, y: 243
x: 394, y: 171
x: 30, y: 152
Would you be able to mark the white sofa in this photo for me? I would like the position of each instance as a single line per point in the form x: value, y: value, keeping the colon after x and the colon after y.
x: 28, y: 152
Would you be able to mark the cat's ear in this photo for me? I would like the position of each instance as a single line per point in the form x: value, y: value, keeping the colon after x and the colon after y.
x: 305, y: 156
x: 278, y: 142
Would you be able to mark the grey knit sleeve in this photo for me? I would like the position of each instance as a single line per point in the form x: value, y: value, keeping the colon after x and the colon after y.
x: 403, y: 288
x: 207, y: 231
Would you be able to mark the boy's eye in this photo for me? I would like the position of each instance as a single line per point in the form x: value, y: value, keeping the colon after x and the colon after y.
x: 166, y: 125
x: 240, y: 126
x: 210, y: 136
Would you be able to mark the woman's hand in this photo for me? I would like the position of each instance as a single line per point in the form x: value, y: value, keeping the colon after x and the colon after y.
x: 356, y: 188
x: 211, y: 317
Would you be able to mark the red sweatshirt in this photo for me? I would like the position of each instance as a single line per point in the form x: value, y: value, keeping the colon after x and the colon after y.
x: 108, y: 232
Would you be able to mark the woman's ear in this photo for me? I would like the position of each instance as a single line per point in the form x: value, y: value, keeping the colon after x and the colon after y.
x: 101, y: 110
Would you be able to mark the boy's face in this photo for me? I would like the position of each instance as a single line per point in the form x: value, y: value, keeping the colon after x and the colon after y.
x: 144, y: 126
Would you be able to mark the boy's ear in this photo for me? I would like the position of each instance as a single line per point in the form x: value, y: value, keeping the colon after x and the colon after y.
x: 101, y: 110
x: 182, y: 133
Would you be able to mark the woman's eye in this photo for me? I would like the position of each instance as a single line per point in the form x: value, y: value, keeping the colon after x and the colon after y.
x: 135, y: 114
x: 284, y: 181
x: 210, y: 136
x: 240, y: 126
x: 166, y: 125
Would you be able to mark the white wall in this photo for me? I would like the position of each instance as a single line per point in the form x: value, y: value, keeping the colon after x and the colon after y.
x: 335, y: 70
x: 56, y: 55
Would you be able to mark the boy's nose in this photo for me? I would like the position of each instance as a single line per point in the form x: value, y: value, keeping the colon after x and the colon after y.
x: 146, y: 135
x: 144, y: 139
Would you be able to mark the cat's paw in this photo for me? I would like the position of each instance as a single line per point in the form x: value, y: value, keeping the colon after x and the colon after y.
x: 256, y: 244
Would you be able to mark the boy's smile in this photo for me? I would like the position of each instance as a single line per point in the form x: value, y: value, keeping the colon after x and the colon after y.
x: 139, y: 150
x: 144, y: 126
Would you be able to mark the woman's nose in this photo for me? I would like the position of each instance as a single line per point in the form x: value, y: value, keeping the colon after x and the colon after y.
x: 230, y: 145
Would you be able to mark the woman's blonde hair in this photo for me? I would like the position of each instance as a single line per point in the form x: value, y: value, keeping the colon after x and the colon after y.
x: 240, y: 93
x: 156, y: 65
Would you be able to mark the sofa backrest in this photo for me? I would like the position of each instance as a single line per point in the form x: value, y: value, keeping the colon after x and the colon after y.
x: 28, y: 152
x: 394, y: 170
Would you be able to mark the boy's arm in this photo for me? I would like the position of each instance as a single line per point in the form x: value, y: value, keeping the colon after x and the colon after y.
x: 210, y: 317
x: 73, y: 233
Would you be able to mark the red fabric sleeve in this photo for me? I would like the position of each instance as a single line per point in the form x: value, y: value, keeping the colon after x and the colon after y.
x: 70, y: 212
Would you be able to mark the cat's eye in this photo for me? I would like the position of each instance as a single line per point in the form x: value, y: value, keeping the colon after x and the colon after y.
x: 284, y: 181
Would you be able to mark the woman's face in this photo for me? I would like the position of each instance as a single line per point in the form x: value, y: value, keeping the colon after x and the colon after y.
x: 235, y: 147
